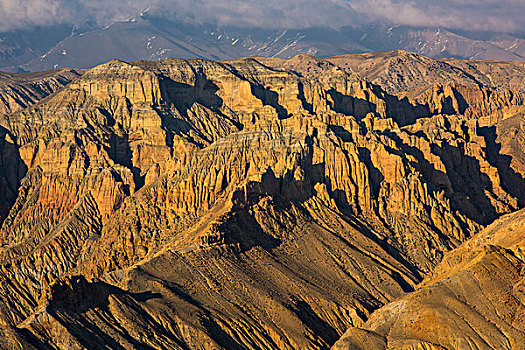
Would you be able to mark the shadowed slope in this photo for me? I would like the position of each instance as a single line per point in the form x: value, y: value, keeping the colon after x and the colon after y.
x: 473, y: 300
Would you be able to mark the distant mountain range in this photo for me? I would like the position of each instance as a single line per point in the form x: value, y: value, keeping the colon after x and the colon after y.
x: 152, y: 38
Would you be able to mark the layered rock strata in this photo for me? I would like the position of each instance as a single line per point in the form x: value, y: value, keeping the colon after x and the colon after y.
x: 198, y: 204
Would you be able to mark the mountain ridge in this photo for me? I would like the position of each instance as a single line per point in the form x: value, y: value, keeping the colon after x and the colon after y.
x: 154, y: 38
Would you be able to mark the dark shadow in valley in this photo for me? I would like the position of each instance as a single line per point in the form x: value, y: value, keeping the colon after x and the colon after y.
x: 462, y: 103
x: 511, y: 181
x: 120, y: 152
x: 402, y: 111
x: 307, y: 106
x: 341, y: 132
x: 30, y: 338
x: 79, y: 295
x: 182, y: 97
x: 405, y: 112
x: 109, y: 120
x: 72, y: 302
x: 463, y: 182
x: 320, y: 327
x: 350, y: 105
x: 375, y: 175
x: 269, y: 98
x: 243, y: 228
x: 12, y: 171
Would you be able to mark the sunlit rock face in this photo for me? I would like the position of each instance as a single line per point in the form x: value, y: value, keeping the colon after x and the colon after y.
x: 253, y: 203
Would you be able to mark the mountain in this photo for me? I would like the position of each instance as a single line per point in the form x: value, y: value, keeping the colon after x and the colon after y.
x: 442, y: 43
x: 148, y: 37
x: 21, y: 46
x: 259, y: 203
x: 510, y: 44
x: 152, y: 38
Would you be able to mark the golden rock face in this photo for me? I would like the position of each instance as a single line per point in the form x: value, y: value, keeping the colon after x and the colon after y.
x: 253, y: 203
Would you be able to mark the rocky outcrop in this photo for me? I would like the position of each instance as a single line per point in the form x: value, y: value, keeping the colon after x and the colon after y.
x: 200, y: 204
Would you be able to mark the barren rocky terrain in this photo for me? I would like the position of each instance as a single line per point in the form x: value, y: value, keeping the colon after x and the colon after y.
x: 264, y: 203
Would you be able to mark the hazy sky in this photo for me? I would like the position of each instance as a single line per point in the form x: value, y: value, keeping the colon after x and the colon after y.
x: 492, y: 15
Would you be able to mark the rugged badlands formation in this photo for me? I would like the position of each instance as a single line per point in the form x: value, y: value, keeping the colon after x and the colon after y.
x: 262, y: 203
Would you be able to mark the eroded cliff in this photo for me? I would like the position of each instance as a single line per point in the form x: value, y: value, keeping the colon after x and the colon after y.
x: 198, y: 204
